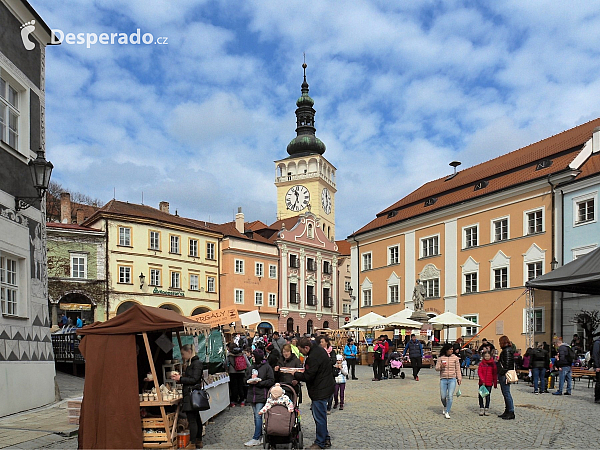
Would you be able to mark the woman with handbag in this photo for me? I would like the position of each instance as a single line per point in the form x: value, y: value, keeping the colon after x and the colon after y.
x: 192, y: 377
x: 448, y: 365
x: 506, y: 376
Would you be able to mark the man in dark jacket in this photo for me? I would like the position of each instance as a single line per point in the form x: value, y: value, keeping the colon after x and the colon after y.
x: 596, y: 359
x: 258, y: 392
x: 318, y: 376
x: 278, y: 342
x: 564, y: 368
x: 538, y: 361
x: 415, y: 353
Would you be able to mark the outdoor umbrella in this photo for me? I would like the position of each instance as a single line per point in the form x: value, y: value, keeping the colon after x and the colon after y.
x: 393, y: 321
x: 450, y: 320
x: 369, y: 320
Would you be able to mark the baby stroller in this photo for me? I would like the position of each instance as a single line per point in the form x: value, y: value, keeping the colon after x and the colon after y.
x: 394, y: 366
x: 282, y: 427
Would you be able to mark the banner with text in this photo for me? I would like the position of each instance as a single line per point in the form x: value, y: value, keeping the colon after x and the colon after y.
x: 218, y: 317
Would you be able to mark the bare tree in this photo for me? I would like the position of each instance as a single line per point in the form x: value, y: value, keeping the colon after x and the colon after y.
x: 53, y: 200
x: 589, y: 321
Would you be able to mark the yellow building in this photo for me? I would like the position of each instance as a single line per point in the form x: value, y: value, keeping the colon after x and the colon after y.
x: 473, y: 239
x: 158, y: 259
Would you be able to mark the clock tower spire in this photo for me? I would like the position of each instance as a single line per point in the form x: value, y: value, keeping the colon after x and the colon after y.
x: 305, y: 180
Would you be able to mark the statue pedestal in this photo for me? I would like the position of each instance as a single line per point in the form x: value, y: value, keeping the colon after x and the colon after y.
x: 420, y: 316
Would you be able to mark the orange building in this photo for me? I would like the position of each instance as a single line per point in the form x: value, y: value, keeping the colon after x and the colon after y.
x: 473, y: 239
x: 249, y: 272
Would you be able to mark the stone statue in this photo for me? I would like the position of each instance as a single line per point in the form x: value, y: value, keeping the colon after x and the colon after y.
x: 419, y: 295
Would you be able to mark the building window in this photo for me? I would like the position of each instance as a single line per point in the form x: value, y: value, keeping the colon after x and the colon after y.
x: 125, y: 236
x: 154, y: 240
x: 309, y: 231
x: 155, y: 277
x: 78, y: 266
x: 500, y: 230
x: 239, y: 266
x: 9, y: 114
x: 327, y: 301
x: 470, y: 283
x: 273, y: 300
x: 294, y: 261
x: 347, y: 285
x: 272, y: 271
x: 9, y: 285
x: 259, y: 269
x: 258, y: 298
x: 535, y: 319
x: 175, y: 280
x: 366, y: 295
x: 194, y: 247
x: 366, y: 261
x: 311, y: 298
x: 471, y: 331
x: 194, y: 283
x: 124, y: 274
x: 175, y: 245
x: 432, y: 287
x: 210, y: 250
x: 394, y: 298
x: 294, y: 295
x: 534, y: 270
x: 311, y: 265
x: 585, y: 211
x: 430, y: 246
x: 393, y: 255
x: 309, y: 327
x: 327, y: 267
x: 535, y: 222
x: 501, y: 278
x: 210, y: 284
x: 239, y: 296
x: 471, y: 236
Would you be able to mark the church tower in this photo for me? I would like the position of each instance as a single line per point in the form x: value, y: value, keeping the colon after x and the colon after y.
x: 305, y: 180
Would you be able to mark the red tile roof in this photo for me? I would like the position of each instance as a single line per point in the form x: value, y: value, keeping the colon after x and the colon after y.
x: 343, y: 247
x: 505, y: 171
x: 289, y: 223
x: 229, y: 229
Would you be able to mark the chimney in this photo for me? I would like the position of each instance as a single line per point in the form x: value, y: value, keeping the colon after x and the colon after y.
x: 239, y: 221
x: 164, y: 207
x: 65, y: 207
x: 80, y: 216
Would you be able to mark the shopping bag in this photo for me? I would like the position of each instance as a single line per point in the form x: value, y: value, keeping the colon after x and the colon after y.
x: 458, y: 393
x: 200, y: 399
x: 483, y: 392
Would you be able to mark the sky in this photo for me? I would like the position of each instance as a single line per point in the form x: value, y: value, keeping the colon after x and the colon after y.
x: 401, y: 89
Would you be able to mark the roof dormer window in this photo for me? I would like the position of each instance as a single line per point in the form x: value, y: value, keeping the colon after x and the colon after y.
x: 543, y: 164
x: 430, y: 201
x: 481, y: 184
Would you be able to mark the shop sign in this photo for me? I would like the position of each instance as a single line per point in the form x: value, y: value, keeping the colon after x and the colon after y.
x: 218, y: 317
x: 171, y: 293
x: 75, y: 307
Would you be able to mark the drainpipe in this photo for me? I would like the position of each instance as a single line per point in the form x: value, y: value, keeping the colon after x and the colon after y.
x: 562, y: 257
x: 357, y: 279
x: 106, y: 272
x: 552, y: 186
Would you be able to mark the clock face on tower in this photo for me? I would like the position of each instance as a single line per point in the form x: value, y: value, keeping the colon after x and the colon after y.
x: 326, y: 200
x: 297, y: 198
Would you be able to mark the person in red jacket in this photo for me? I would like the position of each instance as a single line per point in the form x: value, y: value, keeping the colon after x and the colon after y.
x: 488, y: 377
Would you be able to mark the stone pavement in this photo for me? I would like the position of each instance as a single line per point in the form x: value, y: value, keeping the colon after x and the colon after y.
x: 43, y: 426
x: 407, y: 414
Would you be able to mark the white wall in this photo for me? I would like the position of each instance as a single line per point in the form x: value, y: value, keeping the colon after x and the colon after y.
x: 25, y: 385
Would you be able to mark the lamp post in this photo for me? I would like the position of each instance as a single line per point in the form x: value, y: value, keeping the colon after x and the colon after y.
x: 553, y: 264
x: 41, y: 170
x: 142, y: 278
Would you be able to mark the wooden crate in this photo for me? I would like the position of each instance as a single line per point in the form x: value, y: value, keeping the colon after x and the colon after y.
x: 155, y: 437
x: 157, y: 422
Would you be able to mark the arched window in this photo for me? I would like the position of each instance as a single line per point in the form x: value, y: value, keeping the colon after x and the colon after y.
x: 309, y: 231
x: 171, y: 307
x: 328, y: 232
x: 290, y: 325
x: 124, y: 307
x: 309, y: 327
x: 326, y: 324
x: 200, y: 310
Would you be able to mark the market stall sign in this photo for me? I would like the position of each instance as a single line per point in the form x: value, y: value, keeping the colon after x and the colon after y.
x: 218, y: 317
x: 75, y: 307
x: 172, y: 293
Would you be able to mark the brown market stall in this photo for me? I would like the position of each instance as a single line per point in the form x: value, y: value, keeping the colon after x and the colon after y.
x: 110, y: 411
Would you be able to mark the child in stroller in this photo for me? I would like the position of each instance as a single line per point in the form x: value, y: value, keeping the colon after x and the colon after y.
x: 394, y: 367
x: 281, y: 418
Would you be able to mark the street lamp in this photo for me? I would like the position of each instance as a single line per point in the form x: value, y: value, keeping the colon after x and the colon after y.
x: 553, y: 263
x: 41, y: 170
x: 142, y: 278
x: 350, y: 291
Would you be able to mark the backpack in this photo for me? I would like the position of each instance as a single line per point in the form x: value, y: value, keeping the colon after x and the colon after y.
x: 239, y: 363
x: 571, y: 355
x: 378, y: 352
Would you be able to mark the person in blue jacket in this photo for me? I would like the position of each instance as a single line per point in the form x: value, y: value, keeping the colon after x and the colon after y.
x: 350, y: 352
x: 79, y: 322
x: 415, y: 354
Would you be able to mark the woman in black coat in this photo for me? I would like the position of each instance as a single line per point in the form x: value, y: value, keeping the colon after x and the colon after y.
x: 288, y: 359
x: 192, y: 377
x: 506, y: 362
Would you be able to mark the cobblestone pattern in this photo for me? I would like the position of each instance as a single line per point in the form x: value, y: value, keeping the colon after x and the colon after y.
x: 407, y: 414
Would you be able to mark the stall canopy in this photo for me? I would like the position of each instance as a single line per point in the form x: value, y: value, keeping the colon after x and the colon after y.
x: 451, y: 320
x: 401, y: 319
x: 110, y: 412
x: 581, y: 276
x: 367, y: 321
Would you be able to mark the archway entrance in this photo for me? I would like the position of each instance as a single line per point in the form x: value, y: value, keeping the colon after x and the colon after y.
x: 171, y: 307
x: 200, y: 310
x: 76, y: 305
x: 309, y: 327
x: 326, y: 324
x: 290, y: 325
x: 124, y: 307
x: 265, y: 328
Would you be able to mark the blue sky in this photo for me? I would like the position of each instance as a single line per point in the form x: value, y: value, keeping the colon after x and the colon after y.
x: 401, y: 89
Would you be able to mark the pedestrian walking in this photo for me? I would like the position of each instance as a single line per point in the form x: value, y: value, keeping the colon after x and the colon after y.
x: 340, y: 382
x: 350, y: 353
x: 564, y: 359
x: 378, y: 356
x: 596, y: 359
x: 414, y: 348
x: 326, y: 344
x: 448, y: 365
x: 318, y: 376
x: 259, y: 379
x: 539, y: 360
x: 191, y: 377
x: 488, y: 377
x: 506, y: 362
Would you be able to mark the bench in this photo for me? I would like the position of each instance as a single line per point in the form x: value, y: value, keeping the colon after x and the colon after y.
x: 577, y: 373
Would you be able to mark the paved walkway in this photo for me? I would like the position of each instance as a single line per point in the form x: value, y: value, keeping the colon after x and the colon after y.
x: 43, y: 426
x: 407, y: 414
